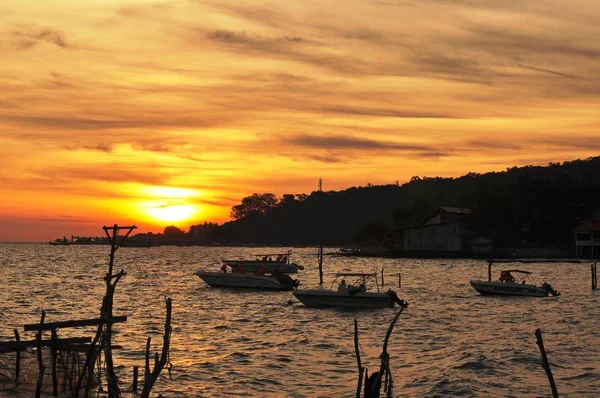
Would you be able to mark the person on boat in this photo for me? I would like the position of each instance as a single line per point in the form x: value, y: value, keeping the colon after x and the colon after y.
x: 284, y: 258
x: 342, y: 288
x: 264, y: 258
x: 506, y: 276
x: 278, y: 259
x: 362, y: 288
x: 260, y: 270
x: 269, y: 259
x: 224, y: 268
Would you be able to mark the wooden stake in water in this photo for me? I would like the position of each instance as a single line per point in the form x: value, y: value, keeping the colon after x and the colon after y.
x: 321, y: 264
x: 594, y: 277
x: 545, y: 364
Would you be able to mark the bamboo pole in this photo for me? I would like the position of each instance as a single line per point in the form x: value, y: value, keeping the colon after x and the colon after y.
x: 545, y: 364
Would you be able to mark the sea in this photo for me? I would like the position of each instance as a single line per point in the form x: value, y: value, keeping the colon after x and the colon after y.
x: 449, y: 342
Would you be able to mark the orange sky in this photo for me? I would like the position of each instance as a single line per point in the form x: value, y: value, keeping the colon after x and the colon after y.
x: 158, y: 111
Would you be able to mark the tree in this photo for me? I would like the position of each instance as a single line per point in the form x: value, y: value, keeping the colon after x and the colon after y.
x: 259, y: 204
x: 173, y: 231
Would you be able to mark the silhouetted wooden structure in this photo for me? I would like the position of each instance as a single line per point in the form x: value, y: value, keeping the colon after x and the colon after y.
x: 77, y: 376
x: 383, y: 377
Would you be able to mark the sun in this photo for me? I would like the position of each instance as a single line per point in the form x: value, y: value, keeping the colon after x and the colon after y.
x: 169, y: 205
x: 172, y: 213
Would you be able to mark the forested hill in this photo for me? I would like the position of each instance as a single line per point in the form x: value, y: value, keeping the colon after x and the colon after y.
x: 533, y: 203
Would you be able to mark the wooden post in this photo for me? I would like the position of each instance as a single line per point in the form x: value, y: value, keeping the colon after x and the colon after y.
x: 361, y: 370
x: 545, y: 364
x: 38, y: 339
x: 594, y: 276
x: 18, y: 364
x: 382, y: 281
x: 489, y: 270
x: 321, y: 264
x: 135, y: 378
x: 399, y: 280
x: 53, y: 349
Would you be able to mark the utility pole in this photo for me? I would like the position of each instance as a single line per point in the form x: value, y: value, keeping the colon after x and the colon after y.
x: 321, y: 243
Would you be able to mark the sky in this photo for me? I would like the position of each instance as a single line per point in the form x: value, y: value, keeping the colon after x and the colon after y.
x: 170, y: 112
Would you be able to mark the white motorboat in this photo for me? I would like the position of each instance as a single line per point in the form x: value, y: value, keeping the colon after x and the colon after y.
x: 513, y: 282
x: 349, y: 295
x: 278, y: 262
x: 278, y: 281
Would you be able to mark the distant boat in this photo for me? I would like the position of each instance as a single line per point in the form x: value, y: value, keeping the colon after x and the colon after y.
x: 513, y: 282
x: 349, y: 295
x: 60, y: 242
x: 278, y: 262
x: 278, y: 281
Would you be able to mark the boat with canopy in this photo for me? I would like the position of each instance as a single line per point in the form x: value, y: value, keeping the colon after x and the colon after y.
x: 271, y: 262
x: 353, y: 294
x: 513, y: 282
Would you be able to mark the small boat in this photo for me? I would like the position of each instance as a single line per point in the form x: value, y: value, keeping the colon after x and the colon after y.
x: 513, y: 282
x: 60, y: 242
x: 276, y: 281
x: 278, y: 262
x: 349, y: 295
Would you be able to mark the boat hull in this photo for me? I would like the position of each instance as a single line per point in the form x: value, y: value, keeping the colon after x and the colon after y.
x: 509, y: 289
x: 324, y: 298
x: 269, y: 266
x: 248, y: 281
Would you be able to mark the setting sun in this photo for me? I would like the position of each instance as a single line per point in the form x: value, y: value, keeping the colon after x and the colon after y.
x: 171, y: 213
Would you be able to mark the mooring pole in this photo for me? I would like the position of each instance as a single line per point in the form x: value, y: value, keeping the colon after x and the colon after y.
x: 135, y: 378
x: 594, y: 276
x: 545, y: 364
x: 18, y: 365
x: 489, y: 270
x: 399, y: 280
x: 321, y: 264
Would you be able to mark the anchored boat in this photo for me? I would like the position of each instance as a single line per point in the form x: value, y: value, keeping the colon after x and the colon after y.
x: 513, y: 282
x: 260, y: 279
x: 349, y: 295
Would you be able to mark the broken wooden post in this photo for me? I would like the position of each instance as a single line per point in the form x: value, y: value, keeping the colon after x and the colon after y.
x: 18, y: 364
x: 594, y: 276
x: 135, y: 378
x: 38, y: 339
x: 361, y: 370
x: 150, y: 377
x: 545, y: 364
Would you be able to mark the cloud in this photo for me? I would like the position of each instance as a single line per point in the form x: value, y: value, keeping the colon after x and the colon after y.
x: 29, y: 39
x: 337, y: 142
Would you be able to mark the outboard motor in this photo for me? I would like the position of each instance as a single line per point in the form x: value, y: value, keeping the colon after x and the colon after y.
x: 287, y: 281
x: 550, y: 289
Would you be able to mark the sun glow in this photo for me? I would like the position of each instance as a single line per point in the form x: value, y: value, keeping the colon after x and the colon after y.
x: 171, y: 213
x: 169, y: 205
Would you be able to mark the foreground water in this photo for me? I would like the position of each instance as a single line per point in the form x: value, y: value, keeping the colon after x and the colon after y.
x: 449, y: 342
